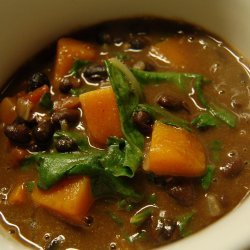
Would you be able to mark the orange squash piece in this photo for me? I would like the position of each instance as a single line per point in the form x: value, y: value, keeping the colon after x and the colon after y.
x: 18, y: 195
x: 71, y: 198
x: 181, y: 54
x: 69, y: 50
x: 174, y: 151
x: 101, y: 115
x: 8, y: 110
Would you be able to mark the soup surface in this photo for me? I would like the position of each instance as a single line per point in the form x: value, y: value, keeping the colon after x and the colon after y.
x: 130, y: 134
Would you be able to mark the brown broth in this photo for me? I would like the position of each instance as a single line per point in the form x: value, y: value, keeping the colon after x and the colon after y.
x: 229, y: 87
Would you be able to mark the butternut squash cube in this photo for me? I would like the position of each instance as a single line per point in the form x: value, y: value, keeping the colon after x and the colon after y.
x: 69, y: 50
x: 71, y: 198
x: 18, y: 195
x: 101, y: 115
x: 175, y: 152
x: 8, y: 110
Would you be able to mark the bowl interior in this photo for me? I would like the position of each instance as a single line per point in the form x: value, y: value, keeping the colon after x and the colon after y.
x: 27, y: 26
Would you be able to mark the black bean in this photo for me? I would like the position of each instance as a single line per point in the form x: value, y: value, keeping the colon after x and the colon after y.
x: 138, y: 43
x: 65, y: 144
x: 232, y: 169
x: 95, y: 73
x: 143, y: 122
x: 38, y: 80
x: 88, y: 220
x: 70, y: 115
x: 43, y: 132
x: 171, y: 103
x: 65, y: 85
x: 182, y: 191
x: 162, y: 229
x: 18, y: 133
x: 104, y: 37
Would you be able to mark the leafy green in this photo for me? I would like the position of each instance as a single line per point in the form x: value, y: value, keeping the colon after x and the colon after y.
x: 152, y: 198
x: 183, y: 222
x: 166, y: 117
x: 221, y: 113
x: 77, y: 137
x: 46, y: 102
x: 204, y: 120
x: 115, y: 218
x: 225, y: 115
x: 77, y: 66
x: 52, y: 167
x: 128, y: 93
x: 207, y: 179
x: 215, y: 147
x: 141, y: 217
x: 179, y: 79
x: 125, y: 205
x: 29, y: 185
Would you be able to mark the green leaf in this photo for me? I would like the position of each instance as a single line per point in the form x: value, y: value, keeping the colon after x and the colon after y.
x: 225, y: 115
x: 215, y: 147
x: 30, y: 185
x: 125, y: 205
x: 183, y: 222
x: 204, y: 120
x: 128, y: 93
x: 77, y: 66
x: 179, y: 79
x: 163, y: 115
x: 115, y: 218
x: 46, y: 102
x: 152, y: 198
x: 141, y: 216
x: 77, y: 137
x: 207, y: 179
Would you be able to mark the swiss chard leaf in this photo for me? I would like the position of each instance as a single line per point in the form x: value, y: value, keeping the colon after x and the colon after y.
x: 46, y: 102
x: 77, y: 66
x: 183, y: 222
x: 163, y: 115
x: 179, y: 79
x: 52, y: 167
x: 128, y: 94
x: 207, y: 179
x: 141, y: 217
x: 77, y: 137
x: 221, y: 113
x: 215, y: 147
x: 204, y: 120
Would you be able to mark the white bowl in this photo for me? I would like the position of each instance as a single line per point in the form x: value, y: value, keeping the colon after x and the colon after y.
x: 27, y: 26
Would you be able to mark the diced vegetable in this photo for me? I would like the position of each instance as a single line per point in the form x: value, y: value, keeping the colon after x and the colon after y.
x: 180, y: 53
x: 207, y: 179
x: 183, y: 222
x: 69, y: 50
x: 213, y: 205
x: 23, y: 108
x: 8, y: 110
x: 175, y: 151
x: 46, y: 102
x: 204, y: 120
x: 99, y: 106
x: 141, y: 216
x: 36, y: 95
x: 72, y: 198
x: 18, y: 195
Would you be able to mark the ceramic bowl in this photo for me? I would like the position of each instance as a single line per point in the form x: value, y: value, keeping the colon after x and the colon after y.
x: 27, y: 26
